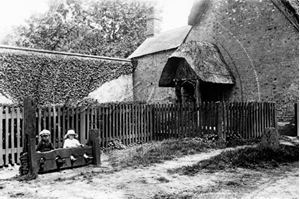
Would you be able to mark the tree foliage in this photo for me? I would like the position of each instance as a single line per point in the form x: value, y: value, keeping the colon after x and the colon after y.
x: 98, y: 27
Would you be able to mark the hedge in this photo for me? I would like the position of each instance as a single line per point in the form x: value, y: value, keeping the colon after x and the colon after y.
x: 54, y: 79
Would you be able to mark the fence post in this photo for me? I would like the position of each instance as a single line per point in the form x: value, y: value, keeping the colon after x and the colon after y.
x: 220, y: 121
x: 152, y: 122
x: 82, y: 125
x: 30, y: 134
x: 275, y: 118
x: 94, y: 137
x: 297, y: 118
x: 1, y: 137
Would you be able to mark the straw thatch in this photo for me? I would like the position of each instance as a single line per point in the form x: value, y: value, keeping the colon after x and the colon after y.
x: 203, y: 58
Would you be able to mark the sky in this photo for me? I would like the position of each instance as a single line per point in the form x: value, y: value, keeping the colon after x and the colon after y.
x: 175, y: 13
x: 14, y: 12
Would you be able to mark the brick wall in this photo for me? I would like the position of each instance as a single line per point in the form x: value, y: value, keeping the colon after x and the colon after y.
x: 261, y: 47
x: 146, y: 77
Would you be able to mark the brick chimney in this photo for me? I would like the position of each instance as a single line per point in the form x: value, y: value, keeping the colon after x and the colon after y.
x: 154, y: 21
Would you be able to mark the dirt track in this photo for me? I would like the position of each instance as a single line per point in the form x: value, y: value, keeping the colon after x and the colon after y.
x: 155, y: 182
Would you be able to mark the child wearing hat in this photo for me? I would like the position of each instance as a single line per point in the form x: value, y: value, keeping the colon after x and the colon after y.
x: 71, y: 142
x: 44, y: 144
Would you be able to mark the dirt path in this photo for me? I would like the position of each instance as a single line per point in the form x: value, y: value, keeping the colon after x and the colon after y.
x: 154, y: 182
x: 285, y: 185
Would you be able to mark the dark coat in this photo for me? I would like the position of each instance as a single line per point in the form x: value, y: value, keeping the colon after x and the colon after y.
x: 44, y: 146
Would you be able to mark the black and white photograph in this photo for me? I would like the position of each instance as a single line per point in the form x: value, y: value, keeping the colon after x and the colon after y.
x: 149, y: 99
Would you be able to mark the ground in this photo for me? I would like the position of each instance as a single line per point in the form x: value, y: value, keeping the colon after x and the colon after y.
x: 155, y: 182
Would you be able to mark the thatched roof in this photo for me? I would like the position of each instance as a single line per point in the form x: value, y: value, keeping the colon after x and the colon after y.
x: 203, y: 58
x: 163, y: 41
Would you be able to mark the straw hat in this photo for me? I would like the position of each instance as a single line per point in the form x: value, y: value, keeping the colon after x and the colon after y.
x: 70, y: 132
x: 44, y: 132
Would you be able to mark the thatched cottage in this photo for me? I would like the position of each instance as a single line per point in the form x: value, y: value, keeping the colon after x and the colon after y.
x: 230, y: 51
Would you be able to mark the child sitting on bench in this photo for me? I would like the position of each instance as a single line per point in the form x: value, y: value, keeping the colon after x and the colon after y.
x: 44, y: 144
x: 72, y: 142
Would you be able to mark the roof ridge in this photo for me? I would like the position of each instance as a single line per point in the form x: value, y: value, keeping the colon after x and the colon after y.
x: 63, y: 53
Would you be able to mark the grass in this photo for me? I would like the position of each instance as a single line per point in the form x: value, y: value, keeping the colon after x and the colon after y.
x: 173, y: 196
x: 82, y: 175
x: 249, y: 157
x: 61, y: 179
x: 162, y: 179
x: 27, y: 177
x: 156, y: 152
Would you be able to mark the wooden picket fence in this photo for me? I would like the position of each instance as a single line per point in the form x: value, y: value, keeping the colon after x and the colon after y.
x: 132, y: 123
x: 173, y: 120
x: 11, y: 137
x: 249, y: 120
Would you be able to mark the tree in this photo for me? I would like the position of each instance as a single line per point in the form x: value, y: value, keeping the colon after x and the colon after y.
x: 98, y: 27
